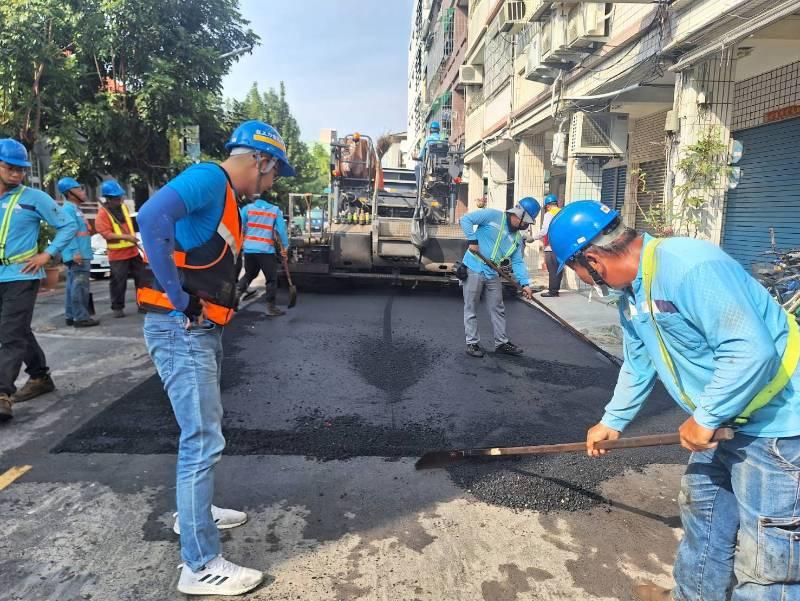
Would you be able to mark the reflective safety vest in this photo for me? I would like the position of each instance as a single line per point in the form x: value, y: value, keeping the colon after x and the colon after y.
x: 494, y: 258
x: 789, y: 360
x: 553, y: 210
x: 120, y: 244
x: 260, y: 229
x: 209, y: 271
x: 5, y: 229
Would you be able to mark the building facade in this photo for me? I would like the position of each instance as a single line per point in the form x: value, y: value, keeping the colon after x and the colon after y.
x: 681, y: 114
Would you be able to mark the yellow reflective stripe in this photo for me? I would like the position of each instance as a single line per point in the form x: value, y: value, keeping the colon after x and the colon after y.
x: 499, y: 239
x: 789, y: 360
x: 119, y: 244
x: 5, y: 226
x: 19, y: 258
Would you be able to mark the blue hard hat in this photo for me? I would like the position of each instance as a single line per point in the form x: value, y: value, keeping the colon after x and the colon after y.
x: 435, y: 125
x: 550, y: 199
x: 111, y: 188
x: 262, y: 137
x: 13, y: 153
x: 65, y: 184
x: 576, y: 225
x: 531, y: 206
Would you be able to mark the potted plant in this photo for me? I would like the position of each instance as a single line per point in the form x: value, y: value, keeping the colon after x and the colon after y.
x: 46, y: 234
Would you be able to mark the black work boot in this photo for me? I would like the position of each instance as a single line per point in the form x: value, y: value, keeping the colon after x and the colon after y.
x: 86, y: 323
x: 69, y: 322
x: 34, y: 387
x: 652, y: 592
x: 548, y: 294
x: 475, y: 350
x: 248, y: 293
x: 5, y: 408
x: 273, y: 311
x: 508, y: 348
x: 118, y: 313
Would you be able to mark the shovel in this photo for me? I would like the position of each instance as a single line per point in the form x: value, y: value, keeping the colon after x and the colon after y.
x: 442, y: 458
x: 292, y: 287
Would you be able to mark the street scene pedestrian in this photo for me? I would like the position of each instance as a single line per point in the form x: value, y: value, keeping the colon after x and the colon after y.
x: 599, y: 200
x: 77, y: 256
x: 494, y: 236
x: 728, y: 354
x: 115, y: 224
x: 261, y: 220
x: 22, y: 210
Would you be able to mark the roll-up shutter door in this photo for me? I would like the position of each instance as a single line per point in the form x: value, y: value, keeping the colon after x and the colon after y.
x: 653, y: 193
x: 612, y: 191
x: 768, y: 194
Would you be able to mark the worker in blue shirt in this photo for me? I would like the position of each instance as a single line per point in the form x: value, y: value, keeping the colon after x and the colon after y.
x: 77, y: 256
x: 496, y: 235
x: 728, y: 354
x: 435, y: 135
x: 261, y: 220
x: 22, y: 209
x: 192, y: 235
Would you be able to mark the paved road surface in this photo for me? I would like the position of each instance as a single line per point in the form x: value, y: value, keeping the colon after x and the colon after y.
x: 326, y: 410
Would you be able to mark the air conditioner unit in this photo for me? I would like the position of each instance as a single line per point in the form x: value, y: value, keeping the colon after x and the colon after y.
x: 554, y: 48
x: 470, y: 75
x: 540, y: 9
x: 598, y: 134
x: 587, y: 23
x: 534, y: 69
x: 514, y: 15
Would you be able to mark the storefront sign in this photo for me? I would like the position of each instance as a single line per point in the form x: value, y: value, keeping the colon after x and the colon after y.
x: 783, y: 113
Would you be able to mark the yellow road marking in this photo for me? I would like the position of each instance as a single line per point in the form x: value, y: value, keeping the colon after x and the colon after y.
x: 12, y: 474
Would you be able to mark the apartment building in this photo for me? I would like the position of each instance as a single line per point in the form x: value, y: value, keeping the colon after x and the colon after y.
x: 630, y: 103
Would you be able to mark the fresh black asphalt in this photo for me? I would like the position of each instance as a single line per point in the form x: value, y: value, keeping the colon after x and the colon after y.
x: 382, y: 372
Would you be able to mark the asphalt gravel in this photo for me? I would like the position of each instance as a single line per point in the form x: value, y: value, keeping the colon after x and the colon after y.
x: 383, y: 373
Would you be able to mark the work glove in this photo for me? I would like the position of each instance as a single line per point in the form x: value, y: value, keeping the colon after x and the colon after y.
x: 194, y: 309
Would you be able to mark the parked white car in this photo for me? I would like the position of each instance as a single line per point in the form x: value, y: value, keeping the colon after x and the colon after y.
x: 100, y: 267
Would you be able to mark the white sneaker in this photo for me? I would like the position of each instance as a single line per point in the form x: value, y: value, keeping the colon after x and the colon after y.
x: 223, y: 518
x: 218, y: 577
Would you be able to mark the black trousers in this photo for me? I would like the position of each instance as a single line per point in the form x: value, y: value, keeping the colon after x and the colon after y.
x: 120, y: 272
x: 553, y: 277
x: 17, y: 343
x: 266, y: 263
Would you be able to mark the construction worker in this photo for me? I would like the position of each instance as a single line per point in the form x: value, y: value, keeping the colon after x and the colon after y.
x: 114, y: 223
x: 261, y: 219
x: 554, y: 275
x: 434, y: 135
x: 496, y: 236
x: 77, y: 256
x: 22, y: 210
x: 192, y: 234
x: 727, y: 353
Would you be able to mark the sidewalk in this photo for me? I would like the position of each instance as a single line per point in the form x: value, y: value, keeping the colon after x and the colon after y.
x: 595, y: 318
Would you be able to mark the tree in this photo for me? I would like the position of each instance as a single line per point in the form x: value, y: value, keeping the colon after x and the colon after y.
x: 112, y: 78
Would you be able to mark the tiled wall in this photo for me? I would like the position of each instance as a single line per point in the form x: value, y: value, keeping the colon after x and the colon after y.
x: 758, y: 95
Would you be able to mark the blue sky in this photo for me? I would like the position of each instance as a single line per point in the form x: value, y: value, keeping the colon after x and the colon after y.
x: 344, y: 62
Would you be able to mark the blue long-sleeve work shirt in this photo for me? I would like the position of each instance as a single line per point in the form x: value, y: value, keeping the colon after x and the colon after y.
x: 483, y: 226
x: 31, y: 209
x: 81, y: 244
x: 724, y: 333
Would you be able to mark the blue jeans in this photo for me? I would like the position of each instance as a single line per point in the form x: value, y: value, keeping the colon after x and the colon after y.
x: 189, y: 363
x: 76, y: 298
x: 740, y: 508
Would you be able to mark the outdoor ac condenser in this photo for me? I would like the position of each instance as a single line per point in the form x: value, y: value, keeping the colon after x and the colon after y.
x: 534, y: 69
x: 470, y: 75
x: 598, y: 134
x: 587, y: 23
x: 514, y: 15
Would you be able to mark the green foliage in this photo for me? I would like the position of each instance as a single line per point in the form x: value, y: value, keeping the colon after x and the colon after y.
x: 271, y: 106
x: 704, y: 169
x: 46, y: 235
x: 103, y: 81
